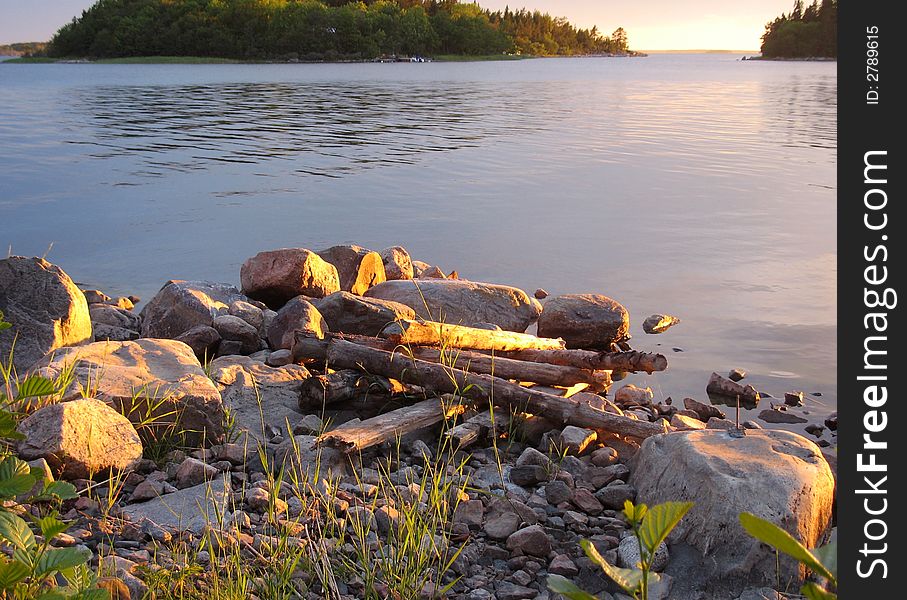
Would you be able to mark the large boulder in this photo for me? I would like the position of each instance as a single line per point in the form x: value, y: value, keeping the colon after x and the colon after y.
x: 398, y: 264
x: 459, y: 302
x: 584, y: 320
x: 234, y: 329
x: 148, y: 380
x: 776, y: 475
x: 276, y: 276
x: 80, y: 439
x: 348, y: 313
x: 47, y: 310
x: 259, y: 399
x: 358, y: 268
x: 182, y: 305
x: 297, y: 315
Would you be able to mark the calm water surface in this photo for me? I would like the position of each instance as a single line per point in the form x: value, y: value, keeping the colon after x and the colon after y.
x: 696, y: 185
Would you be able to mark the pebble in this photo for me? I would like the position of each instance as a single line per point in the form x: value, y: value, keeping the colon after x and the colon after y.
x: 736, y: 374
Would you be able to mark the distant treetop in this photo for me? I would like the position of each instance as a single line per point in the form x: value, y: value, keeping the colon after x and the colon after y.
x: 810, y: 32
x: 320, y: 30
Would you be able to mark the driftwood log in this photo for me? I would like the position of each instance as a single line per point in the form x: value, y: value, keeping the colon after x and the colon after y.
x: 345, y: 354
x: 431, y: 333
x: 374, y: 431
x: 630, y: 361
x: 342, y: 386
x: 477, y: 427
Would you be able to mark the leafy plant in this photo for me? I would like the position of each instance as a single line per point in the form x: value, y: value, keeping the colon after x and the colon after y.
x: 650, y: 527
x: 823, y: 561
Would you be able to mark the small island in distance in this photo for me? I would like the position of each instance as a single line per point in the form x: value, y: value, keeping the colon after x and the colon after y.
x: 318, y: 30
x: 805, y: 33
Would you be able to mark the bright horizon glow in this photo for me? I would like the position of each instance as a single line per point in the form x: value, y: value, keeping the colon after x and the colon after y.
x: 650, y: 24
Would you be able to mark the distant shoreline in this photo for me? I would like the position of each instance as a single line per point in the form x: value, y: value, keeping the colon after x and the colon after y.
x: 793, y: 59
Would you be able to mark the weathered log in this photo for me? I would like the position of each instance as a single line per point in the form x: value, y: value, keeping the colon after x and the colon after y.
x: 342, y: 386
x: 631, y: 361
x: 345, y: 354
x: 390, y: 425
x: 430, y: 333
x: 477, y: 427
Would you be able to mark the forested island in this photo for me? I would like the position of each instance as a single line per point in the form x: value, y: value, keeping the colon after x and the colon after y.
x: 312, y: 30
x: 810, y: 32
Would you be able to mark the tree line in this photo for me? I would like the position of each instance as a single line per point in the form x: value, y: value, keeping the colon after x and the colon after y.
x: 804, y: 33
x: 319, y: 30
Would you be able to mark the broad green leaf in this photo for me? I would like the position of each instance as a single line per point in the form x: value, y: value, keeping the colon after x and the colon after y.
x: 11, y: 573
x: 95, y: 594
x: 15, y: 477
x: 634, y: 513
x: 51, y: 526
x: 60, y: 490
x: 812, y: 591
x: 563, y: 586
x: 35, y: 386
x: 56, y: 559
x: 828, y: 556
x: 659, y: 521
x: 774, y: 536
x: 16, y: 532
x: 53, y: 595
x: 629, y: 579
x: 8, y: 423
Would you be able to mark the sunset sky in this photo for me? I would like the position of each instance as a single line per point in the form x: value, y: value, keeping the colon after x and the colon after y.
x: 651, y: 24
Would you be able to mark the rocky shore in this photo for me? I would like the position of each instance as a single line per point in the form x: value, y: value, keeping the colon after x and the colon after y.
x: 358, y: 424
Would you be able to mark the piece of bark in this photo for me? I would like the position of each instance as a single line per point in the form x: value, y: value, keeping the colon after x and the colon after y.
x: 345, y: 354
x: 722, y: 386
x: 342, y: 386
x: 631, y: 361
x: 390, y: 425
x: 430, y: 333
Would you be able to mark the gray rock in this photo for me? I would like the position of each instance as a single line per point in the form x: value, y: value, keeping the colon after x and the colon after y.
x: 259, y: 398
x: 506, y: 590
x: 575, y: 440
x: 297, y: 315
x: 80, y: 439
x: 584, y: 500
x: 193, y: 472
x: 276, y: 276
x: 469, y: 512
x: 631, y: 395
x: 279, y: 358
x: 358, y: 268
x: 349, y: 313
x: 685, y: 423
x: 531, y: 541
x: 163, y: 374
x: 659, y: 323
x: 398, y: 265
x: 528, y: 475
x: 115, y: 317
x: 190, y: 509
x: 763, y: 593
x: 776, y: 475
x: 459, y: 302
x: 234, y: 329
x: 721, y: 386
x: 716, y: 423
x: 793, y: 398
x: 202, y: 339
x: 148, y: 490
x: 309, y: 460
x: 557, y: 492
x: 613, y: 496
x: 832, y: 421
x: 604, y: 457
x: 501, y: 521
x: 628, y: 554
x: 704, y: 411
x: 584, y: 320
x: 248, y: 312
x: 46, y: 309
x: 778, y: 416
x: 181, y: 305
x: 540, y: 294
x: 736, y: 374
x: 531, y: 456
x: 104, y: 332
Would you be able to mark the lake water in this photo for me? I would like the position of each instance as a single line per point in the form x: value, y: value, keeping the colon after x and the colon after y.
x: 696, y: 185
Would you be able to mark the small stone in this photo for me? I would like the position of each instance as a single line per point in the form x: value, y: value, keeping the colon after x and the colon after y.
x: 397, y: 263
x: 659, y: 323
x: 576, y: 439
x: 192, y: 472
x: 309, y: 425
x: 751, y: 425
x: 502, y: 525
x: 776, y: 416
x: 736, y: 374
x: 814, y: 429
x: 531, y: 456
x: 685, y: 423
x: 628, y: 554
x: 234, y: 329
x: 531, y: 541
x: 572, y: 518
x: 521, y: 577
x: 147, y: 490
x: 248, y: 312
x: 613, y: 496
x: 584, y: 500
x: 704, y: 411
x: 469, y: 512
x: 237, y: 454
x: 506, y: 590
x: 388, y: 519
x: 557, y: 492
x: 716, y: 423
x: 540, y: 294
x: 604, y: 457
x: 279, y: 358
x: 832, y: 421
x: 528, y: 475
x: 563, y: 565
x: 793, y: 398
x: 630, y: 395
